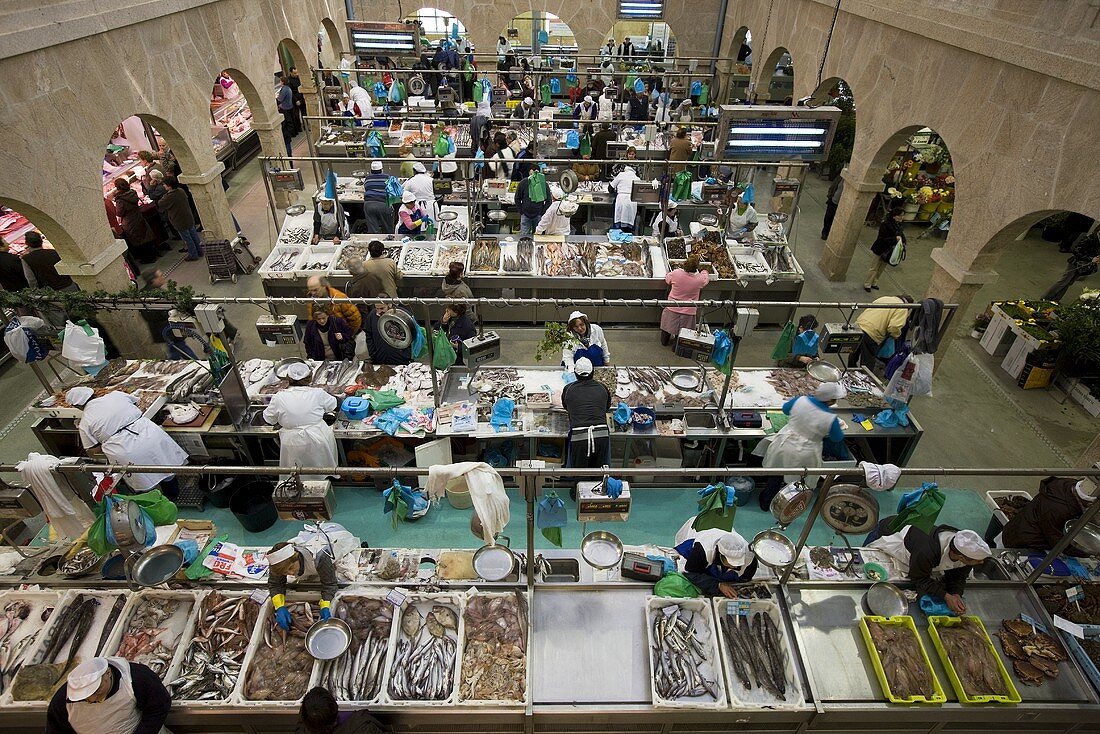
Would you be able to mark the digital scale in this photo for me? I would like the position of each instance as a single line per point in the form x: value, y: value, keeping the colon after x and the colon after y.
x: 481, y: 349
x: 278, y: 330
x: 593, y: 504
x: 287, y: 179
x: 838, y: 338
x: 307, y: 500
x: 638, y: 567
x: 695, y: 345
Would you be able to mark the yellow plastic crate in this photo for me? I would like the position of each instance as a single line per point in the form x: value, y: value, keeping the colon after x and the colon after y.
x: 938, y: 696
x: 934, y: 623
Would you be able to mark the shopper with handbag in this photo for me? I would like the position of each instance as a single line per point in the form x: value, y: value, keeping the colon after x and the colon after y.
x: 890, y: 238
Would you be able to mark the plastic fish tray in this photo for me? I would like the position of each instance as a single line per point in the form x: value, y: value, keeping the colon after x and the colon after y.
x: 178, y: 625
x: 266, y: 617
x: 934, y: 623
x: 938, y: 696
x: 1092, y: 672
x: 39, y: 601
x: 704, y: 622
x: 758, y: 697
x: 336, y: 602
x: 459, y: 602
x: 496, y: 703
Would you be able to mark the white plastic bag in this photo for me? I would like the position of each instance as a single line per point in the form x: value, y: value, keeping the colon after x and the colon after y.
x: 82, y: 345
x: 898, y: 253
x: 23, y: 343
x: 912, y: 379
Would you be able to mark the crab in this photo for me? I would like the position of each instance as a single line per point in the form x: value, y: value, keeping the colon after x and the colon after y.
x: 1027, y: 673
x: 1018, y: 627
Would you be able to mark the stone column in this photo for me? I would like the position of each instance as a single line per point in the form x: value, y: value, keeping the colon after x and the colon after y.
x: 211, y: 202
x: 107, y: 271
x: 851, y: 215
x: 953, y: 282
x: 313, y: 101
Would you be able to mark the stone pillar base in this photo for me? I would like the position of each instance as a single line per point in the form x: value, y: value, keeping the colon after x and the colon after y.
x: 212, y: 203
x: 851, y: 215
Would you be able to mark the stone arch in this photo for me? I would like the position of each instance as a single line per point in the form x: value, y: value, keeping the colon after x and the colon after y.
x: 767, y: 87
x: 332, y: 33
x: 837, y: 92
x: 259, y: 104
x: 50, y: 228
x: 428, y: 32
x: 742, y: 36
x: 181, y: 149
x: 660, y: 29
x: 290, y: 54
x: 739, y: 69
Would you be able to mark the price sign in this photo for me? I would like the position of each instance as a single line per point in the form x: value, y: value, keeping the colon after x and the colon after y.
x: 1075, y: 593
x: 737, y: 608
x: 1030, y: 620
x: 354, y: 150
x: 396, y: 597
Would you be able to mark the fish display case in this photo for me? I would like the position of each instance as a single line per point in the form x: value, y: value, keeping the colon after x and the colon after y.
x: 150, y: 627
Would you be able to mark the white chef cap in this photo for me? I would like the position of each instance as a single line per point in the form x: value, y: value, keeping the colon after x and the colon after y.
x: 528, y: 101
x: 419, y: 167
x: 576, y: 315
x: 79, y: 395
x: 275, y: 557
x: 672, y: 204
x: 830, y: 391
x: 1085, y: 489
x: 971, y: 545
x: 734, y: 549
x: 85, y: 679
x: 408, y: 197
x: 588, y: 98
x: 583, y: 367
x: 376, y: 165
x: 880, y: 477
x: 568, y: 207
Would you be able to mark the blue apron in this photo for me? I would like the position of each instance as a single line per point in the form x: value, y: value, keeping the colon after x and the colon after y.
x: 593, y: 352
x: 714, y: 569
x: 402, y: 229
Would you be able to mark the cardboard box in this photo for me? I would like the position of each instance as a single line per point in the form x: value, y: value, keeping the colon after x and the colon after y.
x: 1033, y: 377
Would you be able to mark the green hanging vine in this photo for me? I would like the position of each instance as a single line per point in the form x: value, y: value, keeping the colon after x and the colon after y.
x: 84, y: 304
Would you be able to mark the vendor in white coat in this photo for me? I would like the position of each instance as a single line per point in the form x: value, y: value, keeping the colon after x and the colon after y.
x: 665, y: 223
x: 310, y: 556
x: 360, y: 102
x: 938, y: 563
x: 586, y: 340
x: 556, y: 218
x: 109, y: 695
x: 114, y: 425
x: 743, y: 217
x: 422, y: 185
x: 799, y: 443
x: 606, y: 102
x: 664, y: 108
x: 715, y: 559
x: 626, y: 211
x: 305, y: 439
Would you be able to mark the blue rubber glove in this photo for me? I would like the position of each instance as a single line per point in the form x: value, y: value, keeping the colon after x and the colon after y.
x: 568, y: 377
x: 622, y: 414
x: 283, y: 618
x: 614, y: 487
x: 190, y: 550
x: 326, y: 613
x: 934, y: 606
x: 666, y: 563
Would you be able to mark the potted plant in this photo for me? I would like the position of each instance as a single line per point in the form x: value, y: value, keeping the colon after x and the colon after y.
x: 554, y: 338
x: 1078, y: 329
x: 981, y: 323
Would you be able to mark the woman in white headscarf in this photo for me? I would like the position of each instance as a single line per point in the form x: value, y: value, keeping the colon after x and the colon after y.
x: 715, y: 559
x: 799, y: 443
x: 937, y: 563
x: 422, y: 186
x: 664, y: 108
x: 626, y: 211
x: 328, y: 223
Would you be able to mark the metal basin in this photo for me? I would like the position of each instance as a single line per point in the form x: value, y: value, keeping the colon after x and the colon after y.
x: 562, y: 570
x: 700, y: 419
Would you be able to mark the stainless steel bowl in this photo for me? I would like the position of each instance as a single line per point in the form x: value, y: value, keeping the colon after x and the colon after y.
x: 330, y: 638
x: 295, y: 209
x: 155, y: 566
x: 282, y: 364
x: 601, y: 549
x: 823, y: 371
x: 774, y: 549
x: 884, y: 600
x: 1087, y: 539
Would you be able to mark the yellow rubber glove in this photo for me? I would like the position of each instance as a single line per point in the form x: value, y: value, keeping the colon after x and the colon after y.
x: 326, y: 612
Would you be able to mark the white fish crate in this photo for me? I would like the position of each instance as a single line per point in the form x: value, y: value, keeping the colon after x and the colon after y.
x: 424, y: 603
x: 418, y: 257
x: 527, y: 667
x: 449, y: 252
x: 758, y: 697
x: 87, y: 648
x: 706, y: 634
x: 189, y: 636
x: 31, y: 627
x: 749, y: 263
x: 341, y: 596
x: 178, y: 625
x: 991, y: 496
x: 267, y: 617
x: 318, y: 260
x: 283, y: 257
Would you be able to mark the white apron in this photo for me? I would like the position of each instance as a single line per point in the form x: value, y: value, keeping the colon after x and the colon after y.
x: 304, y: 438
x: 606, y: 106
x: 331, y: 225
x: 330, y: 537
x: 118, y: 714
x: 894, y: 546
x: 798, y: 443
x: 625, y: 209
x: 144, y: 442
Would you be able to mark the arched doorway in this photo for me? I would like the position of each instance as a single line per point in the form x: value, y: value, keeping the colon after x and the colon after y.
x: 17, y: 220
x: 835, y: 92
x: 650, y: 39
x: 740, y: 75
x: 330, y: 45
x: 919, y: 179
x: 776, y: 84
x: 435, y: 25
x: 141, y: 153
x: 540, y: 33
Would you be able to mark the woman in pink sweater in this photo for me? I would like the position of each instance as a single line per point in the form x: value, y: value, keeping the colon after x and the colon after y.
x: 687, y: 281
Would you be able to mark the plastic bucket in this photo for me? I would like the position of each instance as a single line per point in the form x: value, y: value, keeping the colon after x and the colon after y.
x: 222, y: 492
x: 743, y: 487
x: 252, y: 505
x: 458, y: 494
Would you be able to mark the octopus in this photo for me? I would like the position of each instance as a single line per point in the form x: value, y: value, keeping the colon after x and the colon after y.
x: 494, y: 661
x: 281, y: 668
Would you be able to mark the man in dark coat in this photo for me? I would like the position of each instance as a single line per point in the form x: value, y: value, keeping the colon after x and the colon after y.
x: 12, y: 278
x: 1042, y: 522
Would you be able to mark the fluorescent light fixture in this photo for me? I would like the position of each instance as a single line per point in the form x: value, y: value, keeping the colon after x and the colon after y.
x: 641, y: 8
x: 774, y: 144
x: 778, y: 130
x: 379, y: 44
x: 383, y: 36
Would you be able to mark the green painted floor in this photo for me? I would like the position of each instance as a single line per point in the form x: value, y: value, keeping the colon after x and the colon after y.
x: 655, y: 517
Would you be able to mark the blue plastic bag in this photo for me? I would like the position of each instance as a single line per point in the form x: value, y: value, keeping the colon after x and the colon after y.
x: 572, y: 140
x: 934, y: 606
x: 501, y: 419
x: 667, y: 564
x: 380, y: 91
x: 420, y: 343
x: 748, y: 193
x: 723, y: 349
x: 622, y: 413
x: 190, y: 550
x: 911, y: 498
x: 887, y: 348
x: 568, y: 377
x: 805, y: 344
x: 555, y: 86
x: 696, y: 89
x: 404, y: 503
